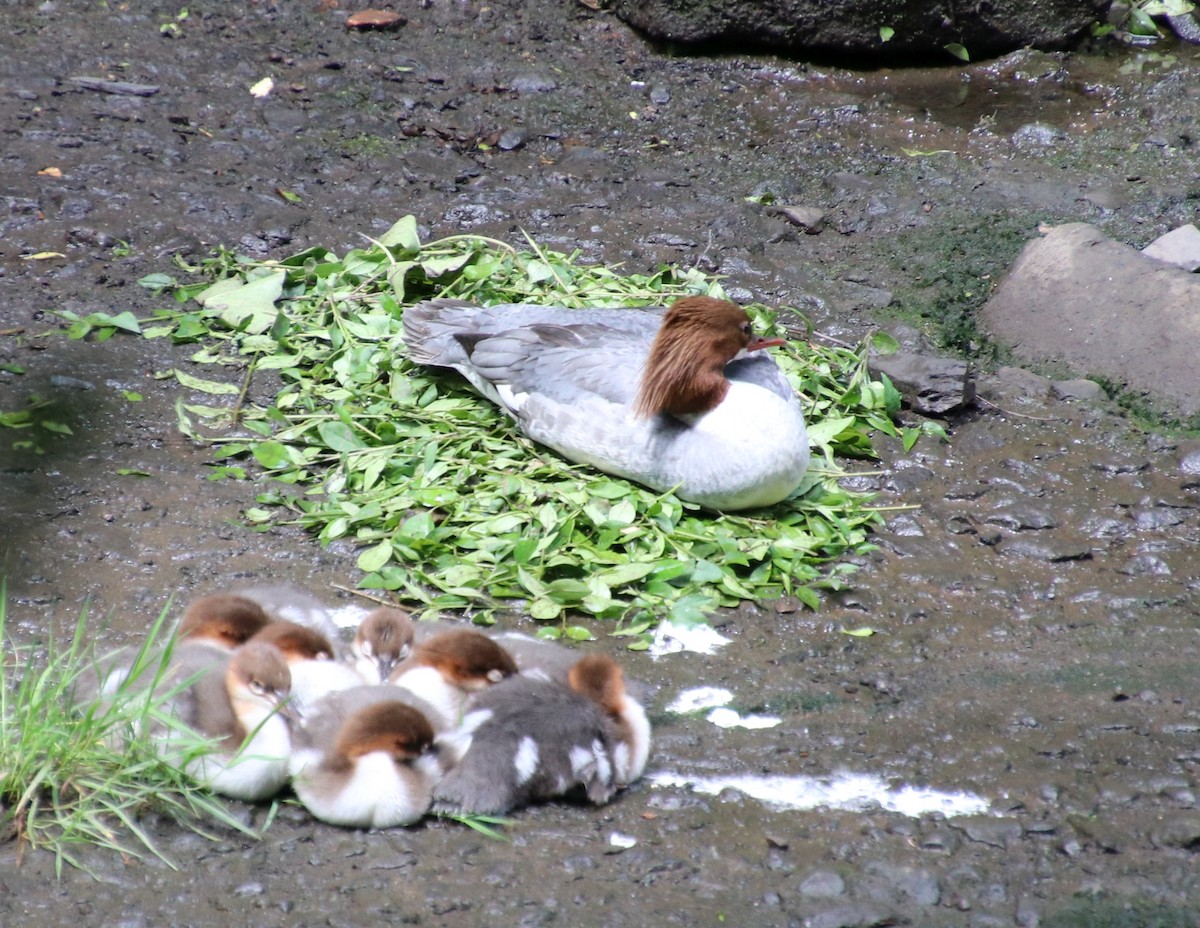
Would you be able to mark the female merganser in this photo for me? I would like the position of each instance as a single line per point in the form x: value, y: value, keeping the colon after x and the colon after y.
x: 372, y: 768
x: 682, y: 401
x: 528, y: 739
x: 384, y: 638
x: 447, y: 669
x: 311, y: 661
x: 238, y: 705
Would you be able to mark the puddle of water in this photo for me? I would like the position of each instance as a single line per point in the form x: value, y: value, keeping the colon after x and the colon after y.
x: 851, y: 792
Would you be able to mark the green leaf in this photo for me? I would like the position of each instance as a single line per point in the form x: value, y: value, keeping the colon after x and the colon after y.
x: 249, y: 306
x: 374, y: 558
x: 402, y: 236
x: 339, y: 437
x: 864, y: 632
x: 206, y: 386
x: 958, y: 51
x: 886, y: 33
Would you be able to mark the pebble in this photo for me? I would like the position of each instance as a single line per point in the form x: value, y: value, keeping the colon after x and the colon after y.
x: 901, y: 883
x: 822, y: 884
x: 512, y: 139
x: 533, y: 83
x: 996, y: 832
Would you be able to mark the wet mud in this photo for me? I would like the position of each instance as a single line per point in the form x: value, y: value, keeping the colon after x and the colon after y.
x: 1034, y: 593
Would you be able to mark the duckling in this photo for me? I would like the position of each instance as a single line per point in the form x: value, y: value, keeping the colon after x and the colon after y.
x: 537, y: 657
x: 448, y: 668
x: 223, y: 620
x: 289, y: 603
x: 524, y: 740
x: 311, y: 661
x: 374, y: 768
x: 600, y: 679
x: 383, y: 640
x: 238, y: 704
x: 210, y: 628
x: 528, y: 739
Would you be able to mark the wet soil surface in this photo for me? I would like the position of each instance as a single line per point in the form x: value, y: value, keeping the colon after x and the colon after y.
x: 1037, y: 614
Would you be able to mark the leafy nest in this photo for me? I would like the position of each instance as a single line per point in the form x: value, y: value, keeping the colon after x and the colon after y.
x: 452, y: 507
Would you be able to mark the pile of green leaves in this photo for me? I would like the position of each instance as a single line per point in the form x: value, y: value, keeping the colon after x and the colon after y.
x: 89, y: 774
x: 451, y: 506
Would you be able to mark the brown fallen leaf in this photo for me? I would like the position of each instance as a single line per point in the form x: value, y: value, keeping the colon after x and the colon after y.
x: 375, y: 19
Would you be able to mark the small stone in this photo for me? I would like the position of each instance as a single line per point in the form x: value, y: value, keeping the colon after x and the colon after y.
x: 1080, y: 390
x: 533, y: 83
x: 1180, y: 247
x: 931, y: 386
x: 996, y: 832
x: 822, y: 884
x: 511, y: 139
x: 809, y: 218
x: 375, y: 19
x: 660, y: 94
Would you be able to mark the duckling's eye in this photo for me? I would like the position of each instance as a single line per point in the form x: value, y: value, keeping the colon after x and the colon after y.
x: 745, y: 328
x: 257, y: 688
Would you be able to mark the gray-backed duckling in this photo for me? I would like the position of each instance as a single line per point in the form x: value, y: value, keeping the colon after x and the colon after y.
x: 530, y: 739
x: 383, y: 640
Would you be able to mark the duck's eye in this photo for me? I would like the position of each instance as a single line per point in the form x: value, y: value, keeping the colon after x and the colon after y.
x: 745, y: 328
x: 257, y: 688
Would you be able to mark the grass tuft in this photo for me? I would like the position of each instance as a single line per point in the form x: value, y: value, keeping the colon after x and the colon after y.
x: 88, y: 775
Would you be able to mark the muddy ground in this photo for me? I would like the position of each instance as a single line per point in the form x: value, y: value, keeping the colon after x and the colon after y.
x: 1038, y: 622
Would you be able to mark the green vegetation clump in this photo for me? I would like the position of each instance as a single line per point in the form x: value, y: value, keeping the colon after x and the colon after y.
x: 450, y: 506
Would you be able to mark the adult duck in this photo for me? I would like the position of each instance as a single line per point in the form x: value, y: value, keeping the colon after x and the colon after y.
x: 684, y: 400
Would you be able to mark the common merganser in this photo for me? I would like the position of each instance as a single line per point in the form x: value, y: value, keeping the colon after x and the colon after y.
x: 209, y: 630
x: 238, y: 704
x: 373, y: 767
x: 224, y: 620
x: 600, y: 679
x: 528, y: 739
x: 683, y: 400
x: 311, y: 660
x: 447, y: 669
x: 290, y: 603
x: 384, y: 638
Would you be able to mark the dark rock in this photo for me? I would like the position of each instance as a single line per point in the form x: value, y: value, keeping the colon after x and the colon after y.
x: 918, y: 25
x: 1079, y: 297
x: 932, y: 386
x: 1018, y: 516
x: 1052, y: 550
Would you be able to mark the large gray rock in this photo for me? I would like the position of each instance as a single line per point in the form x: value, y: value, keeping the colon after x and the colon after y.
x: 984, y: 27
x: 1103, y: 308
